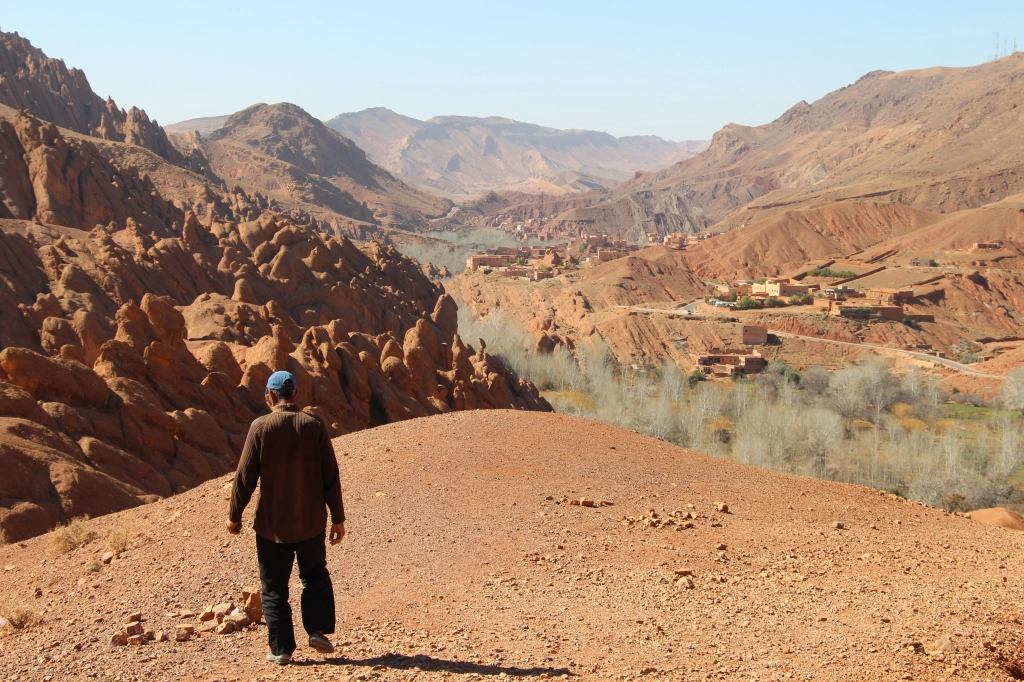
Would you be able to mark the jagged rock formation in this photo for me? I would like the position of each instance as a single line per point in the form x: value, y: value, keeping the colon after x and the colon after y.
x: 54, y: 179
x: 133, y: 364
x: 32, y: 81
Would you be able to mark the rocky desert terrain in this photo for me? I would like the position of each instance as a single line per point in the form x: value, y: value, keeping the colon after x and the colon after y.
x: 468, y: 557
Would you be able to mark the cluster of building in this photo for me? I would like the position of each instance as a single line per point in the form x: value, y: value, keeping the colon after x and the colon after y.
x: 840, y: 300
x: 724, y: 362
x: 881, y: 303
x: 772, y: 286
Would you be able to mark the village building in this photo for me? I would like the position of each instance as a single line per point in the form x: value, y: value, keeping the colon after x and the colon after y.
x: 754, y: 334
x: 923, y: 262
x: 728, y: 361
x: 780, y: 287
x: 890, y: 296
x: 675, y: 241
x: 485, y: 260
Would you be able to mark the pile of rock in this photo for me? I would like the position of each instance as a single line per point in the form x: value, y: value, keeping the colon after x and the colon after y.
x: 680, y: 520
x: 225, y: 618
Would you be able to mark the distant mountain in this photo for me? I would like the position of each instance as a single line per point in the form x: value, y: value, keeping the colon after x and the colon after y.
x: 204, y: 126
x: 464, y: 156
x: 938, y: 139
x: 287, y: 154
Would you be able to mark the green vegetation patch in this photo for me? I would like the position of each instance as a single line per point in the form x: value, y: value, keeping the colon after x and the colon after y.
x: 829, y: 273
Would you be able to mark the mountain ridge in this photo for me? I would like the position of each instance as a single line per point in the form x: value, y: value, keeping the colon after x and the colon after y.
x: 464, y: 156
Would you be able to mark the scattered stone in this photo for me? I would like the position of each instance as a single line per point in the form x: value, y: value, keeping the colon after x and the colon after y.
x: 722, y: 507
x: 207, y: 614
x: 225, y: 628
x: 721, y: 547
x: 137, y: 640
x: 134, y: 628
x: 252, y: 605
x: 118, y: 639
x: 107, y: 558
x: 135, y: 617
x: 839, y: 525
x: 183, y: 633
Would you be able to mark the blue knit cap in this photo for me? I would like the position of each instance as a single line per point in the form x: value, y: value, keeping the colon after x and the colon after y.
x: 279, y: 380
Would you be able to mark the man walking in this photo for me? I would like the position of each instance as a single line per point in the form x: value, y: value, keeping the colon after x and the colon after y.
x: 290, y: 454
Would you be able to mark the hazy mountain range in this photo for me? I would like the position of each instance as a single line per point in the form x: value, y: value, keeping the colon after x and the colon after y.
x: 464, y: 156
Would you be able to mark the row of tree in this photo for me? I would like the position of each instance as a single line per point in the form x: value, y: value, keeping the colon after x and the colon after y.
x: 861, y: 424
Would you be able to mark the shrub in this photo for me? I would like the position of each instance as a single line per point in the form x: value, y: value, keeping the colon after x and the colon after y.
x: 911, y: 424
x: 695, y: 377
x: 968, y: 359
x: 75, y: 534
x: 121, y: 539
x: 748, y: 302
x: 954, y: 502
x: 773, y: 302
x: 829, y: 273
x: 800, y: 299
x: 18, y: 616
x: 911, y: 323
x: 902, y: 410
x: 780, y: 368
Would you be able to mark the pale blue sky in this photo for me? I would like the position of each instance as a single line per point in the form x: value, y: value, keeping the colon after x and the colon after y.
x: 676, y: 69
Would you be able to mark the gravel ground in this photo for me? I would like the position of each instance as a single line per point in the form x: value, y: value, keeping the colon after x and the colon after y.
x: 466, y: 560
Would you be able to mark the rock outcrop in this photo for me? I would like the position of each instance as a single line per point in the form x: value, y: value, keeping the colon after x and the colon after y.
x: 31, y: 81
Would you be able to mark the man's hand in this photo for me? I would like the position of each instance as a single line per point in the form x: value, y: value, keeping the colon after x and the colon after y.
x: 234, y: 527
x: 337, y: 532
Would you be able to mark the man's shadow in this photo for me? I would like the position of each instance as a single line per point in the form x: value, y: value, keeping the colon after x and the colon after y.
x: 431, y: 664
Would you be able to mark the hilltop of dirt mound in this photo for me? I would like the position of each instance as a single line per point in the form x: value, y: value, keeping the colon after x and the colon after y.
x: 1002, y: 518
x: 466, y: 555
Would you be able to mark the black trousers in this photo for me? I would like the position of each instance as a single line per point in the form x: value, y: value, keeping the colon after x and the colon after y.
x: 275, y: 559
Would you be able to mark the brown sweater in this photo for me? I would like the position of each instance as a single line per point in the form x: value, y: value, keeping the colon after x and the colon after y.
x: 290, y: 454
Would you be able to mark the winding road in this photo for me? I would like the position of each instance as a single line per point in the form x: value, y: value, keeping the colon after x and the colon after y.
x: 451, y: 214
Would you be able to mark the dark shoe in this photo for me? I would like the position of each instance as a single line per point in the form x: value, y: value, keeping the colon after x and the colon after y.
x: 280, y: 659
x: 320, y: 643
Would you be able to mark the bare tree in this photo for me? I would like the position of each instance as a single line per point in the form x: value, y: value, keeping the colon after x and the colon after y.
x: 824, y: 428
x: 1013, y: 390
